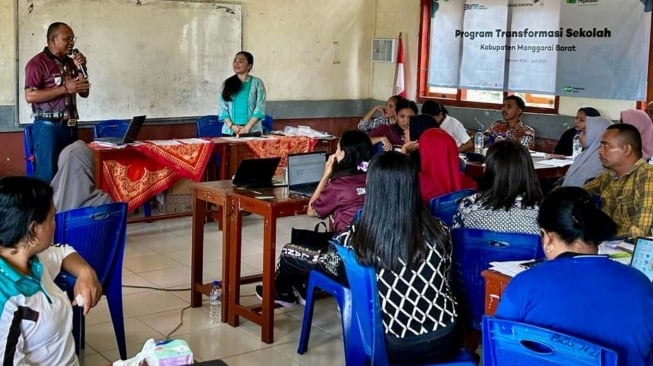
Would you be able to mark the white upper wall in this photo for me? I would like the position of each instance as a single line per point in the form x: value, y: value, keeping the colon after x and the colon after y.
x: 7, y: 53
x: 313, y: 50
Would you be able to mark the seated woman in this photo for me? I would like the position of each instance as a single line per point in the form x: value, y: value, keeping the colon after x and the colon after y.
x: 74, y: 183
x: 397, y: 134
x: 440, y: 168
x: 566, y: 141
x: 453, y: 126
x: 587, y: 164
x: 511, y: 127
x: 578, y: 292
x: 37, y: 315
x: 339, y: 195
x: 412, y: 254
x: 387, y: 117
x: 509, y: 196
x: 643, y: 123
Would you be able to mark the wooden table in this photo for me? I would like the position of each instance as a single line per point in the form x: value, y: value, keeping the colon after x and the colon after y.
x: 232, y: 202
x: 475, y: 170
x: 216, y: 193
x: 281, y: 205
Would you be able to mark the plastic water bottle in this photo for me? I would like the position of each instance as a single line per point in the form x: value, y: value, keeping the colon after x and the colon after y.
x: 478, y: 141
x: 576, y: 147
x: 214, y: 303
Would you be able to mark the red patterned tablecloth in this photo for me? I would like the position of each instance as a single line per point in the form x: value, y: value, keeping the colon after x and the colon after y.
x: 137, y: 178
x: 281, y: 146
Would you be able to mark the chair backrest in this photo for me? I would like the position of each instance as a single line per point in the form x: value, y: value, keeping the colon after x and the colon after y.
x: 97, y: 233
x: 209, y: 126
x: 29, y: 150
x: 508, y: 342
x: 445, y: 206
x: 110, y: 128
x: 473, y: 250
x: 366, y: 311
x: 268, y: 124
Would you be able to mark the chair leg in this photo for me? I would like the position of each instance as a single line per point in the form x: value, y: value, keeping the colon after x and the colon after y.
x: 147, y: 209
x: 114, y: 299
x: 307, y: 320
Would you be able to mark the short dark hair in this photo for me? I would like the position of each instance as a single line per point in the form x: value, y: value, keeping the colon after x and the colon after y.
x: 628, y: 134
x: 396, y: 98
x: 509, y: 173
x: 573, y: 214
x: 405, y: 103
x: 590, y: 112
x: 54, y: 28
x: 23, y: 201
x: 433, y: 108
x: 518, y: 100
x: 357, y: 147
x: 394, y: 225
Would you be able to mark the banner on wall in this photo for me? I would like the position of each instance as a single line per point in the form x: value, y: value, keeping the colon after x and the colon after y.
x: 581, y: 48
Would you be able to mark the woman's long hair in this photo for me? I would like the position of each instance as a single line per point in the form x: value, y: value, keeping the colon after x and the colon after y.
x: 509, y: 173
x: 357, y: 147
x: 395, y: 227
x: 233, y: 84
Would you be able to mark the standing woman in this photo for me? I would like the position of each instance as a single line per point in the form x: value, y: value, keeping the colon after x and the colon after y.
x: 242, y: 101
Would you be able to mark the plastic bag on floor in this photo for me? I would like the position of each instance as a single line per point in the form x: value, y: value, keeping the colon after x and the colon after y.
x: 168, y: 352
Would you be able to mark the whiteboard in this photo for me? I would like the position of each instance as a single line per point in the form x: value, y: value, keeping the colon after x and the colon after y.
x: 160, y: 58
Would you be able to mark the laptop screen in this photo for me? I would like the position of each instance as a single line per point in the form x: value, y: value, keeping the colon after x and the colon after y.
x: 305, y: 168
x: 643, y: 256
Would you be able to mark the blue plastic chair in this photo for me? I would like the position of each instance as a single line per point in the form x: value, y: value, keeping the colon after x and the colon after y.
x: 268, y: 124
x: 473, y: 250
x: 29, y: 150
x: 369, y: 347
x: 342, y: 295
x: 98, y: 234
x: 110, y: 128
x: 445, y: 206
x: 209, y: 126
x: 117, y: 128
x: 508, y: 342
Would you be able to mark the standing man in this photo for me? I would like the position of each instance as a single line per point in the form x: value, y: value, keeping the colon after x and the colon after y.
x: 53, y: 79
x: 626, y: 187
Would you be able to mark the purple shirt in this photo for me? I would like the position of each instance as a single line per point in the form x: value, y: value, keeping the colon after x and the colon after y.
x: 392, y: 132
x: 46, y: 71
x: 341, y: 198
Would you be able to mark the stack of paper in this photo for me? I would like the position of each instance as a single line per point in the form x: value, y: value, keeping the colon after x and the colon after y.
x: 555, y: 162
x: 509, y: 268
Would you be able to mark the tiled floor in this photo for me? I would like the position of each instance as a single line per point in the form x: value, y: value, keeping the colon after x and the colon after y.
x: 158, y: 255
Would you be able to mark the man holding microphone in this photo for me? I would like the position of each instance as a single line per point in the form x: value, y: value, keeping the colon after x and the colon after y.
x: 53, y: 79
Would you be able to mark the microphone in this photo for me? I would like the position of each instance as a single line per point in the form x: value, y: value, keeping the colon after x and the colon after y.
x: 82, y: 67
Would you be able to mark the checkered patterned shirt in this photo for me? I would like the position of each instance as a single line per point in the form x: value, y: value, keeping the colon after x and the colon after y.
x: 416, y: 302
x: 628, y: 200
x: 364, y: 125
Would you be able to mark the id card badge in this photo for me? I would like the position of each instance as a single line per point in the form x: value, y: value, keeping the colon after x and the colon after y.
x: 72, y: 122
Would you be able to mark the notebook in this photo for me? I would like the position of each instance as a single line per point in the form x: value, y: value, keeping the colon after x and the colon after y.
x: 642, y: 258
x: 255, y: 173
x: 305, y: 171
x: 131, y: 134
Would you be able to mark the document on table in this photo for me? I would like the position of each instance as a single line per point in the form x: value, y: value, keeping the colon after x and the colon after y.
x: 510, y: 268
x: 555, y: 162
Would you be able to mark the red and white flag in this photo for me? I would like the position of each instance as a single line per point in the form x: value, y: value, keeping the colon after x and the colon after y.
x: 399, y: 88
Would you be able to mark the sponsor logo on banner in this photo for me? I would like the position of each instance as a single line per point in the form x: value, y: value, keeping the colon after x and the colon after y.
x: 474, y: 6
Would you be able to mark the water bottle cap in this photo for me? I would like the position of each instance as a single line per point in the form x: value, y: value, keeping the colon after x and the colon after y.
x: 216, y: 283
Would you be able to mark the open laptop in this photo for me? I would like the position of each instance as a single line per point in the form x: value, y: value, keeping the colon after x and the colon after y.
x: 255, y: 173
x: 131, y: 134
x: 642, y: 258
x: 305, y: 171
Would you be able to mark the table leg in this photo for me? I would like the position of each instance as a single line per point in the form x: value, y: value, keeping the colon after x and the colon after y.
x: 234, y: 261
x: 269, y: 257
x: 197, y: 250
x: 226, y: 236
